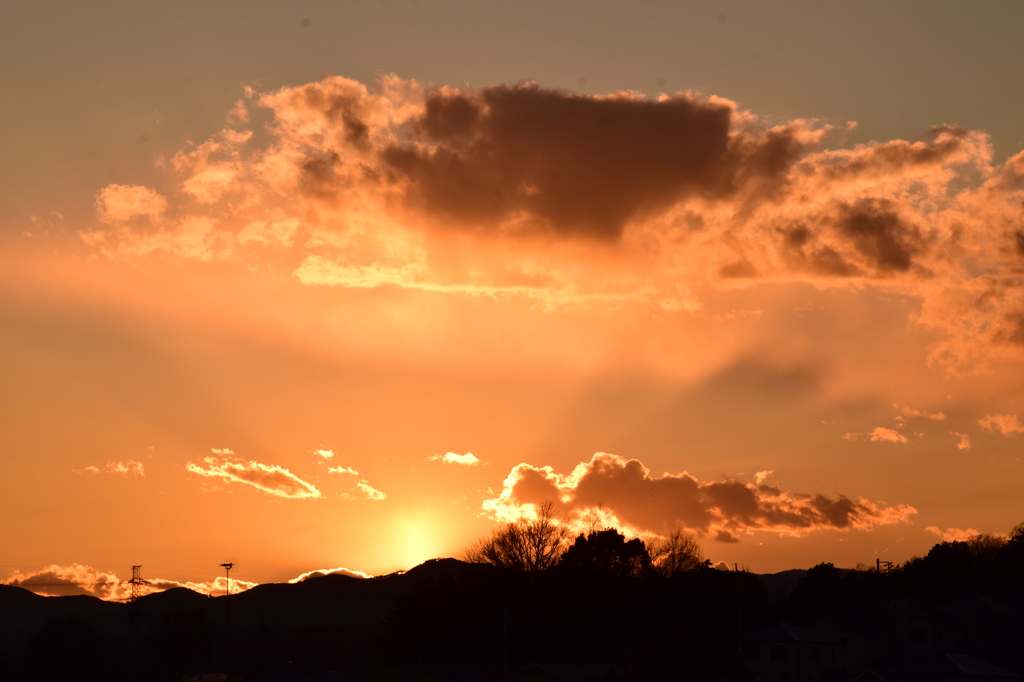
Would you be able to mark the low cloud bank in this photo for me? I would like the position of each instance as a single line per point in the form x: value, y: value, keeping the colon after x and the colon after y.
x: 79, y: 579
x: 330, y: 571
x: 624, y: 493
x: 76, y: 579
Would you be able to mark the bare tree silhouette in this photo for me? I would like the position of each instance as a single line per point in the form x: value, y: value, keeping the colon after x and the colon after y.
x: 985, y: 546
x: 525, y: 545
x: 677, y: 553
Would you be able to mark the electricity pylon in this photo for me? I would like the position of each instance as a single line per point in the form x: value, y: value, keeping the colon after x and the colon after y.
x: 136, y: 582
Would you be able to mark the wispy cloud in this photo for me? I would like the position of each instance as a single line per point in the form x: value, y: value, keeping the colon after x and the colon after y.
x: 624, y: 492
x: 1005, y: 424
x: 325, y: 454
x: 952, y: 534
x: 128, y: 467
x: 362, y: 485
x: 269, y: 478
x: 963, y: 440
x: 887, y: 435
x: 121, y: 203
x: 468, y: 459
x: 370, y: 492
x: 909, y: 412
x: 880, y: 433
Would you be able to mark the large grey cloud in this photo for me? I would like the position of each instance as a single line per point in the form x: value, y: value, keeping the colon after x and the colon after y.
x: 575, y: 164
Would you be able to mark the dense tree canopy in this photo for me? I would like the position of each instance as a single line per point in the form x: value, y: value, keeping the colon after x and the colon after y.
x: 607, y: 552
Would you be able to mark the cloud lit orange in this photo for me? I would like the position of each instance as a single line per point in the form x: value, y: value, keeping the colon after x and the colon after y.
x: 388, y: 294
x: 625, y: 492
x: 269, y: 478
x: 567, y: 198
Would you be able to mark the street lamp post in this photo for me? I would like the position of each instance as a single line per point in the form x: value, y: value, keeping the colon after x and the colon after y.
x: 227, y: 575
x: 227, y: 605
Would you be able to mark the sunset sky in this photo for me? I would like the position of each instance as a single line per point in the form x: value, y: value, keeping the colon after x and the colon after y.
x: 313, y: 285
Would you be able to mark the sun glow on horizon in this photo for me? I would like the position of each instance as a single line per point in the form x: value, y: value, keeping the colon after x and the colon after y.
x: 362, y: 319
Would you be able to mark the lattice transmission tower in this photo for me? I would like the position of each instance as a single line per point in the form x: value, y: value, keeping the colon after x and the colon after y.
x: 136, y: 582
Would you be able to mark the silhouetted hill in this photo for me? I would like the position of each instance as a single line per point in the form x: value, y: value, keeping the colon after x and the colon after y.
x: 324, y: 600
x: 446, y: 568
x: 157, y: 605
x: 24, y: 614
x: 333, y: 600
x: 10, y: 593
x: 778, y: 586
x: 446, y: 616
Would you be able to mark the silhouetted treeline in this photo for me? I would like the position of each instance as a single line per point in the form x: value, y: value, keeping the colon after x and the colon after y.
x: 597, y: 606
x: 572, y: 613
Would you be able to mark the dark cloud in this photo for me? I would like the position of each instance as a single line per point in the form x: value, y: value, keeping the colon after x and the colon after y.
x: 1015, y: 331
x: 880, y: 235
x: 577, y: 164
x: 725, y: 536
x: 803, y: 254
x: 738, y: 269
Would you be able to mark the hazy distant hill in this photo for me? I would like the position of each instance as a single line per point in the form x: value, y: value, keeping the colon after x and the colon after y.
x: 23, y: 613
x: 331, y: 600
x: 780, y: 585
x: 447, y: 612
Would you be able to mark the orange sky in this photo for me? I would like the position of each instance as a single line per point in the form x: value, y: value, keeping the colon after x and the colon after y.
x: 275, y: 335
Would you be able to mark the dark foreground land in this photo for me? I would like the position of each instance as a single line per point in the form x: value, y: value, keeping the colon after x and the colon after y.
x: 954, y: 615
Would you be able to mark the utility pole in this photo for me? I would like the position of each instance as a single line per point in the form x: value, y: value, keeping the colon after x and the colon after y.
x: 883, y: 566
x: 504, y: 637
